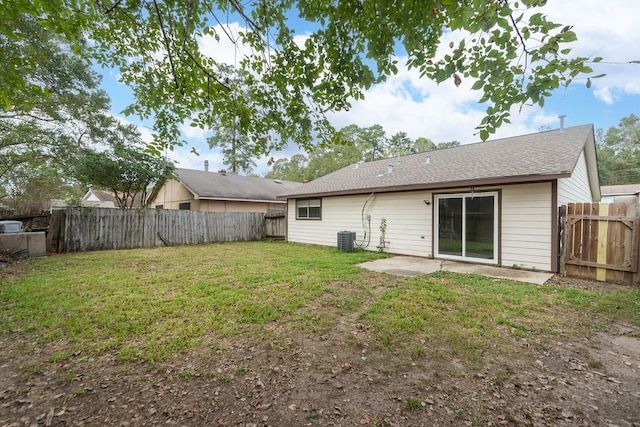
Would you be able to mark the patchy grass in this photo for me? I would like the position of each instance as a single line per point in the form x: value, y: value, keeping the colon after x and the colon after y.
x: 152, y: 304
x: 447, y: 315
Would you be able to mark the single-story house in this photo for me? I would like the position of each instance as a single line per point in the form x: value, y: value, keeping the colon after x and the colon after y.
x: 93, y: 198
x: 103, y: 199
x: 202, y: 190
x: 99, y: 199
x: 626, y: 194
x: 493, y: 202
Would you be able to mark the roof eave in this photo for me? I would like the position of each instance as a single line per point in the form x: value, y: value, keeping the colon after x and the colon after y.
x: 591, y: 158
x: 227, y: 199
x: 436, y: 186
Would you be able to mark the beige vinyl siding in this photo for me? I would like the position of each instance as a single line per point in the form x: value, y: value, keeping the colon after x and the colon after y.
x: 408, y: 222
x: 576, y: 188
x: 526, y: 226
x: 172, y: 194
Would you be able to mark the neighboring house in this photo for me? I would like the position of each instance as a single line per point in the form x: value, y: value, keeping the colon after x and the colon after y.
x: 626, y: 194
x: 222, y: 192
x: 92, y: 198
x: 494, y: 202
x: 99, y: 199
x: 106, y: 199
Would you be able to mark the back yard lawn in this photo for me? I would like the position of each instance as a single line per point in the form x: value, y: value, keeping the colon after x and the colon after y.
x: 273, y: 334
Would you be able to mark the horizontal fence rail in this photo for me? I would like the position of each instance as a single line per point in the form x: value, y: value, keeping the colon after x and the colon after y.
x: 90, y: 229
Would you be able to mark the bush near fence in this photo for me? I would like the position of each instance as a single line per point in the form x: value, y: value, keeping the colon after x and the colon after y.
x: 89, y: 229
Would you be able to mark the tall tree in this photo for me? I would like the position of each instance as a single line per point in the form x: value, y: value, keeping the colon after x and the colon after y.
x: 31, y: 188
x: 374, y: 142
x: 294, y: 169
x: 424, y: 144
x: 619, y: 152
x: 509, y: 49
x: 230, y: 125
x: 400, y: 144
x: 125, y: 168
x: 47, y: 115
x: 237, y: 150
x: 448, y: 144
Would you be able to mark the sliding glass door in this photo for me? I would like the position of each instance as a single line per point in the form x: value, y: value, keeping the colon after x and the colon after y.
x: 467, y: 227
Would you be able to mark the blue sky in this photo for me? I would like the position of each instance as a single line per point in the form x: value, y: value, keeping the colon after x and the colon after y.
x: 445, y: 112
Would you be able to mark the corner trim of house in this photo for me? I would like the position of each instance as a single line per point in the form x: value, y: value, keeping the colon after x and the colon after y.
x: 554, y: 226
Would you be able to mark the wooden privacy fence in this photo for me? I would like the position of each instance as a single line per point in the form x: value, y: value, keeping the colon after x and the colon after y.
x: 600, y: 241
x: 275, y: 224
x: 88, y: 229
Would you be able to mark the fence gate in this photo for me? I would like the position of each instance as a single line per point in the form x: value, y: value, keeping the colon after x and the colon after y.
x: 275, y: 224
x: 600, y: 241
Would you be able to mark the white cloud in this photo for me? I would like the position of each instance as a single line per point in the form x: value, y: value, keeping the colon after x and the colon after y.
x: 604, y: 94
x: 194, y: 133
x: 421, y: 108
x: 227, y: 48
x: 186, y: 159
x: 442, y: 113
x: 300, y: 39
x: 608, y: 29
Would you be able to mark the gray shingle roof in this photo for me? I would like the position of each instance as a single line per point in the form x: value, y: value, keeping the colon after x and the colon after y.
x: 104, y: 196
x: 213, y: 185
x: 534, y: 157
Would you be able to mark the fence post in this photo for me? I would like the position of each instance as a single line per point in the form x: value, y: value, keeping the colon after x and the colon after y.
x: 562, y: 240
x: 635, y: 245
x: 55, y: 234
x: 603, y: 227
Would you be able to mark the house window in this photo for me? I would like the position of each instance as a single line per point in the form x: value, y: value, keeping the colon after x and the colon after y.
x: 159, y: 207
x: 280, y: 207
x: 185, y: 206
x: 308, y: 209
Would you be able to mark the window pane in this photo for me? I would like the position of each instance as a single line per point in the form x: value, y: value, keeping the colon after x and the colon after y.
x: 309, y: 208
x: 479, y: 227
x: 314, y: 212
x: 450, y: 226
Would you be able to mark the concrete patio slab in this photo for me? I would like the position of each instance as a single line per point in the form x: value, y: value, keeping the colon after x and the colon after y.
x: 414, y: 266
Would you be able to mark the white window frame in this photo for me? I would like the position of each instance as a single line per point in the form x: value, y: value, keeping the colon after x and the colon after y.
x: 301, y: 202
x: 436, y: 232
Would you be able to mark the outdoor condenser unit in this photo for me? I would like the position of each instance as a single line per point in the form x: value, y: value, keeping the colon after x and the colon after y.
x: 346, y: 240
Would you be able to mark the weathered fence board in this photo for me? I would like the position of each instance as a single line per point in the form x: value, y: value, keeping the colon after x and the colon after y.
x: 88, y: 229
x: 600, y: 241
x: 275, y: 224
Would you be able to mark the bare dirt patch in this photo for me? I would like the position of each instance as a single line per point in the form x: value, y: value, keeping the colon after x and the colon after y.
x: 337, y: 379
